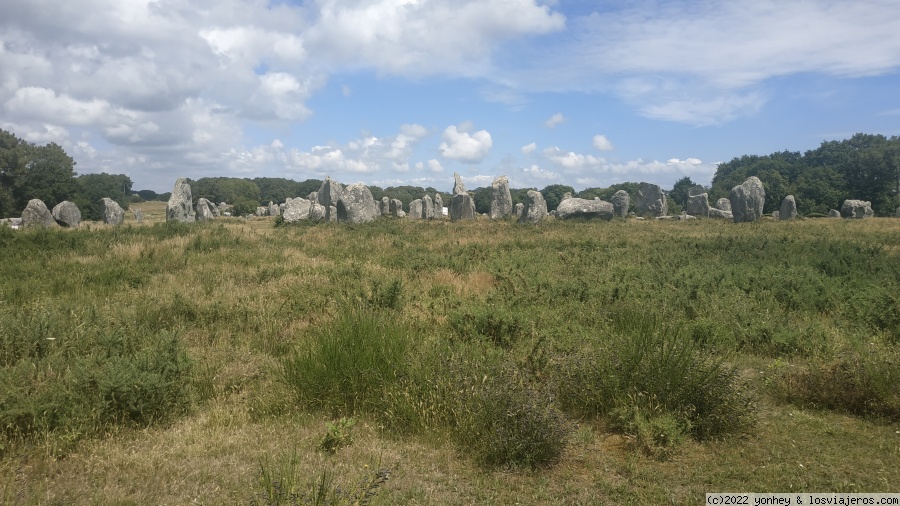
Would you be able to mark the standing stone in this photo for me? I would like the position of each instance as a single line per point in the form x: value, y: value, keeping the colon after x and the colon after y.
x: 328, y: 195
x: 180, y: 206
x: 385, y: 206
x: 462, y: 207
x: 138, y: 215
x: 857, y: 209
x: 273, y: 209
x: 695, y: 190
x: 113, y: 214
x: 534, y: 209
x: 715, y: 212
x: 698, y: 205
x: 313, y: 197
x: 357, y: 205
x: 427, y: 208
x: 788, y: 209
x: 67, y: 214
x: 723, y: 204
x: 775, y: 214
x: 897, y: 214
x: 36, y: 214
x: 650, y: 200
x: 222, y: 207
x: 438, y: 206
x: 205, y: 210
x: 747, y: 200
x: 415, y: 210
x: 501, y: 200
x: 458, y: 187
x: 834, y: 213
x: 262, y: 210
x: 518, y: 209
x: 571, y: 208
x: 397, y: 208
x: 621, y: 201
x: 316, y: 211
x: 296, y: 209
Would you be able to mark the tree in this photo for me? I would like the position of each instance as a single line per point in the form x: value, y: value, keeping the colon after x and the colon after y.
x: 148, y: 194
x: 553, y: 195
x: 230, y: 190
x: 681, y: 191
x: 92, y: 188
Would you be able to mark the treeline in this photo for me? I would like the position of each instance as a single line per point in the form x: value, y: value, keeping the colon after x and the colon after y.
x: 864, y: 167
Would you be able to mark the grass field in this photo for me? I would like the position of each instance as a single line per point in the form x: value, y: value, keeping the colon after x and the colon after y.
x: 624, y: 362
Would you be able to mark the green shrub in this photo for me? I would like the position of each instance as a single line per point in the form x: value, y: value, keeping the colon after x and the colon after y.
x: 644, y: 359
x: 503, y: 421
x: 653, y: 430
x: 346, y: 367
x: 494, y: 324
x: 338, y: 434
x: 859, y: 381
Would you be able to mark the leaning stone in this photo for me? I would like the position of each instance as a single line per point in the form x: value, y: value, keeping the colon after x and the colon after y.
x: 36, y: 214
x: 462, y: 207
x: 204, y: 210
x: 67, y: 214
x: 650, y: 200
x: 621, y: 201
x: 698, y: 205
x: 857, y: 209
x: 113, y: 214
x: 534, y: 209
x: 295, y: 210
x: 180, y: 206
x: 415, y: 210
x: 588, y: 209
x: 788, y: 209
x: 501, y: 200
x: 357, y: 205
x: 747, y: 200
x: 723, y: 204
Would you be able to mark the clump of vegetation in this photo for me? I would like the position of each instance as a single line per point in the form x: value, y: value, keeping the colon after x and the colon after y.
x: 645, y: 360
x: 338, y: 434
x: 281, y: 483
x: 861, y: 380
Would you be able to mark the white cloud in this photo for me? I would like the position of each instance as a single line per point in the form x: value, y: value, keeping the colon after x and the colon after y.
x: 435, y: 166
x: 410, y: 37
x: 554, y: 120
x: 529, y: 148
x: 468, y: 148
x: 602, y: 143
x: 572, y: 161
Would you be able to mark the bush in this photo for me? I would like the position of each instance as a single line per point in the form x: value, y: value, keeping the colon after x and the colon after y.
x: 644, y: 359
x: 346, y: 367
x: 858, y: 381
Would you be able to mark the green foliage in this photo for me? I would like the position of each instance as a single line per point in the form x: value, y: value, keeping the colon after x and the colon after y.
x: 346, y: 367
x: 653, y: 430
x: 554, y: 193
x: 860, y: 379
x: 92, y: 188
x: 502, y: 420
x: 646, y: 360
x: 28, y: 171
x: 680, y: 192
x: 282, y: 483
x: 497, y: 325
x: 279, y: 189
x: 74, y: 371
x: 231, y: 190
x: 338, y: 434
x: 148, y: 195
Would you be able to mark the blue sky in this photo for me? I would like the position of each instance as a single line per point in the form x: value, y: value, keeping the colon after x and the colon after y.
x: 392, y: 92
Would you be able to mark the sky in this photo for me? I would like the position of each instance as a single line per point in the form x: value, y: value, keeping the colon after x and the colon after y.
x: 407, y: 92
